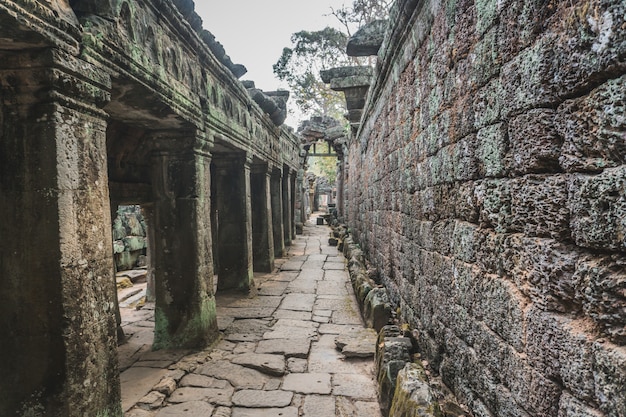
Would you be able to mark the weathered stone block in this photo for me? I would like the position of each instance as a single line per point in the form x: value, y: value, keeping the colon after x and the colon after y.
x: 601, y: 285
x: 464, y: 159
x: 598, y: 210
x: 484, y: 59
x: 500, y: 305
x: 589, y: 46
x: 526, y: 79
x: 560, y: 349
x: 392, y: 353
x: 465, y: 23
x: 413, y: 396
x: 593, y: 128
x: 493, y: 197
x: 535, y: 143
x: 539, y: 206
x: 570, y: 406
x: 489, y: 103
x: 492, y: 151
x: 464, y: 241
x: 609, y: 368
x: 543, y: 269
x: 377, y: 308
x: 520, y: 23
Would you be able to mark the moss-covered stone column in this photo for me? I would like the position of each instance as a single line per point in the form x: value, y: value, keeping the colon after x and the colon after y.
x: 149, y: 216
x: 262, y: 227
x: 234, y: 222
x: 185, y: 304
x: 57, y: 308
x: 276, y: 197
x: 288, y: 219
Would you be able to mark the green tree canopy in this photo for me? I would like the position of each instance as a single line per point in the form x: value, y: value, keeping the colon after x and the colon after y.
x: 361, y: 13
x: 300, y: 65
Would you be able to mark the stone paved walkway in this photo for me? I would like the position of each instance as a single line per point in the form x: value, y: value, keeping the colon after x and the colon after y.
x: 279, y: 355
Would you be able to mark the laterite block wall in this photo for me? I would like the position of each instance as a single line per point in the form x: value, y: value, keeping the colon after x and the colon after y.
x: 487, y: 185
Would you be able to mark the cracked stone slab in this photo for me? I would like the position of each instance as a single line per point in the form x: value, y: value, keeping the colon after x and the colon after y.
x: 273, y: 288
x: 189, y: 409
x: 257, y: 326
x: 260, y: 301
x: 336, y: 266
x: 287, y: 276
x: 308, y: 383
x: 313, y: 264
x: 293, y: 315
x: 301, y: 286
x: 286, y: 328
x: 325, y: 358
x: 137, y: 382
x: 265, y: 412
x: 336, y: 275
x: 217, y: 396
x: 292, y: 265
x: 308, y: 275
x: 357, y: 343
x: 243, y: 337
x: 239, y: 376
x: 152, y: 401
x: 319, y: 405
x: 331, y: 302
x: 262, y: 399
x: 273, y: 365
x: 244, y: 347
x: 290, y: 347
x: 331, y: 288
x: 224, y: 322
x: 357, y: 386
x: 201, y: 381
x: 298, y: 302
x: 245, y: 313
x: 297, y: 365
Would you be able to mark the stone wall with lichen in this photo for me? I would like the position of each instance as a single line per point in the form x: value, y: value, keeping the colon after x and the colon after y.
x: 487, y: 186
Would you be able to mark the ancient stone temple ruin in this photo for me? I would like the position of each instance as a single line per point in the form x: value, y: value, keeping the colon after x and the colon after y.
x: 482, y: 184
x: 124, y: 102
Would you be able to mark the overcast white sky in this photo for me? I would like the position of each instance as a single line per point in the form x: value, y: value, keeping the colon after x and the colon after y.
x: 254, y: 32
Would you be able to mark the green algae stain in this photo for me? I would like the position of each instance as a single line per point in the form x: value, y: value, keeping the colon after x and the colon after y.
x: 197, y: 331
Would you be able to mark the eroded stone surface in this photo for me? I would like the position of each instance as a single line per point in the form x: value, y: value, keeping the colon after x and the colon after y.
x: 308, y: 383
x: 188, y: 409
x: 262, y: 398
x: 268, y: 364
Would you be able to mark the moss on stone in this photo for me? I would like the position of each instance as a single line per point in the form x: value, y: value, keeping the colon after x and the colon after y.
x: 413, y: 397
x: 195, y: 332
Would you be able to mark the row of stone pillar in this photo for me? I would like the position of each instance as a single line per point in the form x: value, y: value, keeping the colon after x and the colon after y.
x: 57, y: 292
x: 217, y: 215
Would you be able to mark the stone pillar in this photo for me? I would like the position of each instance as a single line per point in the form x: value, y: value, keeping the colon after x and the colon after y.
x: 234, y: 222
x: 148, y: 213
x: 185, y: 304
x: 287, y: 204
x: 276, y: 196
x: 121, y: 337
x: 341, y: 172
x: 299, y: 201
x: 57, y: 306
x: 262, y: 234
x: 292, y: 185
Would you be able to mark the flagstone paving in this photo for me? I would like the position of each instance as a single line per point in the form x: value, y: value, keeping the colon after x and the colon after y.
x: 298, y: 348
